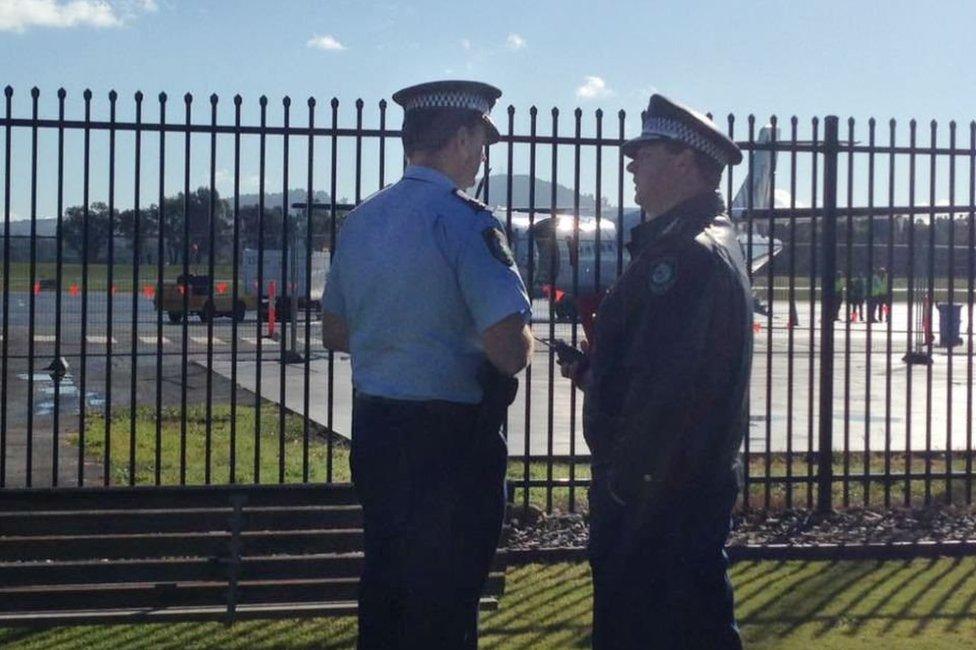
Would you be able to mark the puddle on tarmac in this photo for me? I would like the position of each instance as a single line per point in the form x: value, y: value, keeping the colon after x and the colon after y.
x: 69, y: 401
x: 38, y: 376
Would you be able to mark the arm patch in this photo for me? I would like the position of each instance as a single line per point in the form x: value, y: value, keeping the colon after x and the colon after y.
x: 497, y: 245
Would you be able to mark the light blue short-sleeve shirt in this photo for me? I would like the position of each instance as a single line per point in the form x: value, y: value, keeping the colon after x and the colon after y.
x: 419, y: 273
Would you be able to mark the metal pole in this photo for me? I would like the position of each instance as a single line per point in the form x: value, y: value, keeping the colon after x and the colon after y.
x: 828, y: 271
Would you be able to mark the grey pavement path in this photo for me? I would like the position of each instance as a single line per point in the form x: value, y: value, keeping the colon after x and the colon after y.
x: 868, y: 410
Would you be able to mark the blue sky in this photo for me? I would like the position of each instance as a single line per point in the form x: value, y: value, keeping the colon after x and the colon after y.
x: 884, y: 59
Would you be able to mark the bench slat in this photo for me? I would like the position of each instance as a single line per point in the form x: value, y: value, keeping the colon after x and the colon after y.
x: 111, y: 547
x: 168, y: 496
x: 22, y: 574
x: 24, y: 599
x: 176, y: 520
x: 206, y: 613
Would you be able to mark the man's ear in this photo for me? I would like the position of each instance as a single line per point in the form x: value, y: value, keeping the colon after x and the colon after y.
x: 462, y: 138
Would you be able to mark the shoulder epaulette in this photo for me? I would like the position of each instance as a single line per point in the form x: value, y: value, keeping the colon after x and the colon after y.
x: 471, y: 202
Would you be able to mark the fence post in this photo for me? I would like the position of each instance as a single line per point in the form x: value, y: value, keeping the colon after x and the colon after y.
x: 825, y: 469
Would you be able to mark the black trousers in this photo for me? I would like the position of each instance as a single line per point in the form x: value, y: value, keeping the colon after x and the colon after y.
x: 661, y: 582
x: 433, y: 495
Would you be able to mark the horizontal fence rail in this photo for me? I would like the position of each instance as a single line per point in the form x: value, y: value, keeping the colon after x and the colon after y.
x: 163, y: 261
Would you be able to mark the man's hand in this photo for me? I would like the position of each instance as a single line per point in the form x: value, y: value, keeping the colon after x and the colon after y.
x: 571, y: 369
x: 335, y: 332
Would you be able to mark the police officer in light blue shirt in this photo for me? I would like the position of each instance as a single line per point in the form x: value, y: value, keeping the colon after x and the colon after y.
x: 425, y: 295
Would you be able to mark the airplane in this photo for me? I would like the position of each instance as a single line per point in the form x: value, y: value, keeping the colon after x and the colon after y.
x: 571, y: 273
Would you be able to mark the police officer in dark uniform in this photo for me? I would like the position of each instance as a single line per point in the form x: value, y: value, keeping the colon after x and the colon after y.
x: 665, y: 409
x: 425, y: 295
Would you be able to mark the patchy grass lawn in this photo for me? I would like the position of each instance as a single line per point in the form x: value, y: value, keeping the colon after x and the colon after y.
x: 783, y: 605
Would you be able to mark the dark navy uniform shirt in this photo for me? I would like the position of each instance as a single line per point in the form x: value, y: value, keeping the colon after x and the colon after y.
x: 665, y: 407
x: 419, y: 273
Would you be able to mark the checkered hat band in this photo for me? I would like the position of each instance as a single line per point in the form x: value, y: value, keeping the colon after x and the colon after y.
x: 675, y: 130
x: 450, y: 99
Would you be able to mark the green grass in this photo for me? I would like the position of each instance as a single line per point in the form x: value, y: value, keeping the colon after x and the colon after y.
x: 554, y: 498
x: 220, y: 446
x: 783, y: 605
x: 270, y: 445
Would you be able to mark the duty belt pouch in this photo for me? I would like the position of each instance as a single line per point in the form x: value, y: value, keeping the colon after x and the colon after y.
x: 498, y: 393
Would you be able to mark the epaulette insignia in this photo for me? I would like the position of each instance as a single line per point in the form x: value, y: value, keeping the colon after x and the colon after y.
x: 472, y: 202
x: 663, y: 275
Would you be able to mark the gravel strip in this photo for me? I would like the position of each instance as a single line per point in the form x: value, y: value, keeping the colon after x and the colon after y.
x: 852, y: 526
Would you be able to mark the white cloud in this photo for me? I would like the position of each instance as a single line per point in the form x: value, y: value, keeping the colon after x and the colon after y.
x: 593, y: 88
x: 514, y: 42
x: 327, y: 42
x: 18, y: 15
x: 466, y: 44
x: 149, y: 6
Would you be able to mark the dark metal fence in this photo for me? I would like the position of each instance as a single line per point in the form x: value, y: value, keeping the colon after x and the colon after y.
x: 120, y: 231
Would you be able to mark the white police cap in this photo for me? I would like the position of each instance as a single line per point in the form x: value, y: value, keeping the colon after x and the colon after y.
x: 461, y: 95
x: 669, y: 120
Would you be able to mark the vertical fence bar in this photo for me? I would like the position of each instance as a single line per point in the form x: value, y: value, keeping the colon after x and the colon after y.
x: 951, y: 300
x: 574, y: 255
x: 136, y: 262
x: 58, y: 300
x: 792, y: 322
x: 334, y: 152
x: 747, y: 441
x: 598, y: 199
x: 551, y: 401
x: 508, y: 232
x: 812, y: 341
x: 287, y: 294
x: 32, y: 293
x: 160, y: 270
x: 235, y: 284
x: 970, y: 296
x: 530, y: 282
x: 187, y: 286
x: 849, y: 315
x: 621, y: 115
x: 310, y: 194
x: 266, y: 311
x: 771, y: 302
x: 83, y: 370
x: 911, y: 307
x: 889, y: 304
x: 110, y: 290
x: 930, y: 298
x: 4, y: 344
x: 382, y: 154
x: 306, y: 388
x: 212, y: 312
x: 825, y: 469
x: 869, y: 294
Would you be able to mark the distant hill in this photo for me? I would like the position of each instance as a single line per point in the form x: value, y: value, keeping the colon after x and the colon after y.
x: 273, y: 199
x: 521, y: 184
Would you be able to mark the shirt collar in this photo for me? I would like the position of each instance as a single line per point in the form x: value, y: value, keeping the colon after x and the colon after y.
x: 429, y: 175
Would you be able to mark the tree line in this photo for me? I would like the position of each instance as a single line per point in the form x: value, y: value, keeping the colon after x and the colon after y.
x: 182, y: 215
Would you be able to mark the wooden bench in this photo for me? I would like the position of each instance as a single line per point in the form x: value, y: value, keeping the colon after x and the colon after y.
x: 127, y: 554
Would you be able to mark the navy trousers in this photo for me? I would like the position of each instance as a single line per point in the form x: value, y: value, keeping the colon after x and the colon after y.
x: 661, y: 582
x: 433, y: 495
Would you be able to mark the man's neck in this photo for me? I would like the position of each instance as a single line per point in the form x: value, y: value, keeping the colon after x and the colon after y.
x: 666, y: 206
x: 439, y: 164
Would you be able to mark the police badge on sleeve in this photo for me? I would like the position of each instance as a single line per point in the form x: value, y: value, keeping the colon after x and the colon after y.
x: 663, y: 275
x: 498, y: 245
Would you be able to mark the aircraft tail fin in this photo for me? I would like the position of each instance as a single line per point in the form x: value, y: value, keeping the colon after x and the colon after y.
x: 760, y: 179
